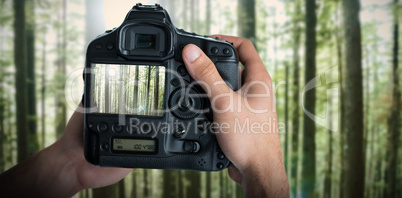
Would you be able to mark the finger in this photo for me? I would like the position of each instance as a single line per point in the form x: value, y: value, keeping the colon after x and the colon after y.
x: 248, y: 55
x: 74, y: 130
x: 76, y: 121
x: 203, y: 70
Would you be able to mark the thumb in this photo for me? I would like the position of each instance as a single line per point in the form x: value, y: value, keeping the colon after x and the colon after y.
x: 203, y: 70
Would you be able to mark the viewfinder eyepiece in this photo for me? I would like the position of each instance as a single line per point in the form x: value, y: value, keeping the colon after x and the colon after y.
x: 145, y: 41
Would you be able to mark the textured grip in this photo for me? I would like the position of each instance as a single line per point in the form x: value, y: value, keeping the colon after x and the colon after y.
x: 229, y: 72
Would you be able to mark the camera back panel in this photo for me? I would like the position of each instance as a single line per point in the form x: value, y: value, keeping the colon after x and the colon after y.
x: 142, y: 108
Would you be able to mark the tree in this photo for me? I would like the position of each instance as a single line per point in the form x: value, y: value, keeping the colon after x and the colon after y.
x: 286, y: 153
x: 309, y: 167
x: 295, y: 112
x: 181, y: 189
x: 2, y: 96
x: 221, y: 183
x: 393, y: 120
x: 106, y: 192
x: 134, y: 184
x: 194, y: 187
x: 31, y: 90
x: 247, y: 19
x: 208, y: 184
x: 121, y: 187
x: 328, y: 171
x: 169, y: 183
x: 341, y: 100
x: 20, y: 76
x: 353, y: 184
x: 146, y: 192
x: 61, y: 109
x: 43, y: 94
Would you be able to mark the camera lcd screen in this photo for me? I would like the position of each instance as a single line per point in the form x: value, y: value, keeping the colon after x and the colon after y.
x: 128, y: 89
x: 133, y: 145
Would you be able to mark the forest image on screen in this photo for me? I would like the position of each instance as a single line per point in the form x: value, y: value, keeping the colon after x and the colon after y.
x: 128, y: 89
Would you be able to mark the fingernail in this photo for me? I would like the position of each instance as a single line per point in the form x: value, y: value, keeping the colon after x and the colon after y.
x: 192, y: 52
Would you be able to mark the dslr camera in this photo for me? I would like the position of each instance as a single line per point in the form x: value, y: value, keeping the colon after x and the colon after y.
x: 141, y: 107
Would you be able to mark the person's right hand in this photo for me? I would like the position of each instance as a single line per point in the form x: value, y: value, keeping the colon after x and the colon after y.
x: 247, y: 128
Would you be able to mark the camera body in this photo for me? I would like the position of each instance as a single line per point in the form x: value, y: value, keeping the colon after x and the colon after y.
x: 141, y: 107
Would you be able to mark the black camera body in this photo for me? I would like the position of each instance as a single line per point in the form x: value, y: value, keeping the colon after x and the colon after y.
x: 141, y: 107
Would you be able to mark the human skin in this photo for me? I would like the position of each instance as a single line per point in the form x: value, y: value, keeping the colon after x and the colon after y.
x: 256, y: 156
x: 61, y: 170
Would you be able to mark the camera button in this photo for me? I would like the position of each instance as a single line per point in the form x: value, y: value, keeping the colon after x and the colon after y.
x: 117, y: 128
x: 175, y: 82
x: 102, y: 127
x: 98, y: 46
x: 109, y: 46
x: 221, y: 156
x: 226, y: 51
x: 214, y: 50
x: 182, y: 70
x: 105, y: 146
x: 220, y: 166
x: 191, y: 147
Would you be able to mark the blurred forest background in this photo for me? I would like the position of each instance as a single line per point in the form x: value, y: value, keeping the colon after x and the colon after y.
x: 334, y: 67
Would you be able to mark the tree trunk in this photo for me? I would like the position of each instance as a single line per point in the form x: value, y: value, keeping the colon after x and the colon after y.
x: 20, y: 78
x: 2, y: 110
x: 353, y: 162
x: 30, y: 33
x: 134, y: 184
x: 286, y: 153
x: 135, y: 97
x: 169, y: 184
x: 208, y: 185
x: 295, y: 112
x: 246, y: 17
x: 61, y: 110
x: 181, y: 189
x: 146, y: 184
x: 43, y: 95
x: 122, y: 193
x: 156, y: 92
x: 221, y: 187
x: 2, y: 102
x: 328, y: 171
x: 147, y: 105
x: 308, y: 171
x: 194, y: 188
x: 393, y: 120
x: 239, y: 191
x: 341, y: 100
x: 122, y: 95
x: 107, y: 90
x: 106, y: 192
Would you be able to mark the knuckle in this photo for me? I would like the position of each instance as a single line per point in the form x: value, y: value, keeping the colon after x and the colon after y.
x: 248, y: 42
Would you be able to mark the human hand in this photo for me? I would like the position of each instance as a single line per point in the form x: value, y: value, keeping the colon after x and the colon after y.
x: 254, y: 150
x: 59, y: 170
x: 87, y: 175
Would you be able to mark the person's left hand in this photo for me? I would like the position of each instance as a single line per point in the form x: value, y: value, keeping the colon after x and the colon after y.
x: 59, y: 170
x: 87, y: 175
